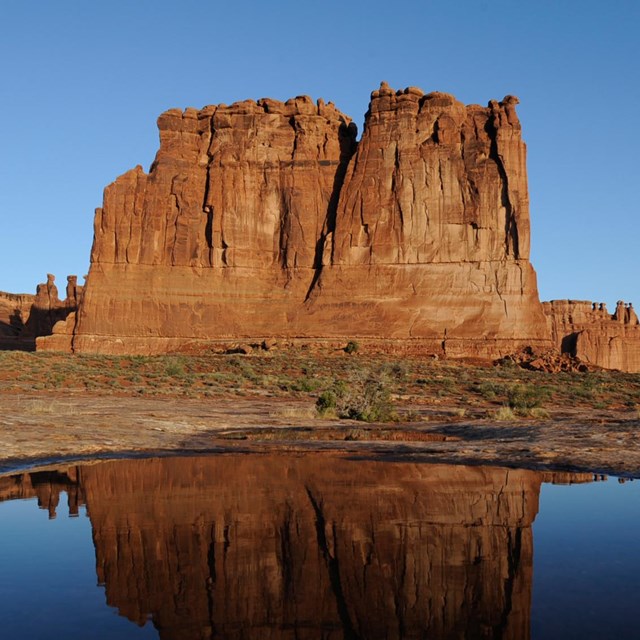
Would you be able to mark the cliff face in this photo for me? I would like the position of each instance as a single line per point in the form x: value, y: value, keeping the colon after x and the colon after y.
x: 431, y: 238
x: 267, y: 219
x: 587, y: 330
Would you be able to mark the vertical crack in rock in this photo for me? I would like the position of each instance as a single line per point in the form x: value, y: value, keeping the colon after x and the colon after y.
x: 333, y: 567
x: 348, y: 147
x: 511, y: 242
x: 504, y: 302
x: 208, y: 229
x: 207, y: 207
x: 176, y: 206
x: 514, y: 550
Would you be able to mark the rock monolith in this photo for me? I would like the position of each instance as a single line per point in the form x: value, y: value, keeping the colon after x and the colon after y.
x: 270, y: 220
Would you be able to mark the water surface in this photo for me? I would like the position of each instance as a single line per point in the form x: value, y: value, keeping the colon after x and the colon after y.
x: 315, y: 546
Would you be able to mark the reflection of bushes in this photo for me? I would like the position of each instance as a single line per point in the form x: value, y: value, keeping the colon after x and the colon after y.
x: 363, y: 396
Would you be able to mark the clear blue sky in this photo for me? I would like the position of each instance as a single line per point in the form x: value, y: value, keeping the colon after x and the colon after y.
x: 82, y: 84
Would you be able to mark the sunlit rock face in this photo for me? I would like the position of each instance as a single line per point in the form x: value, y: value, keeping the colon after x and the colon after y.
x: 268, y: 219
x: 285, y: 547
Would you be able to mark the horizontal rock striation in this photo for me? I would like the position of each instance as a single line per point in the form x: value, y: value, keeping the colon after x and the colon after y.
x: 268, y: 219
x: 589, y: 332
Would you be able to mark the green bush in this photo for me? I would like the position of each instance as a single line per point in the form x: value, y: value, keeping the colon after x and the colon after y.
x: 352, y: 347
x: 325, y: 402
x: 526, y: 396
x: 174, y: 368
x: 363, y: 396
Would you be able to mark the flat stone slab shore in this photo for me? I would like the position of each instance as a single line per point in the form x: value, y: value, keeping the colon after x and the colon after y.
x: 41, y: 428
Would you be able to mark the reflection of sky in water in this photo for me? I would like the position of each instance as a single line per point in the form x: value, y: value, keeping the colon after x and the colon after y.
x: 586, y: 562
x: 48, y: 578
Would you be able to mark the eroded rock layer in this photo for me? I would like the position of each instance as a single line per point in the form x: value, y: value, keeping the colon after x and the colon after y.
x: 589, y: 332
x: 268, y: 219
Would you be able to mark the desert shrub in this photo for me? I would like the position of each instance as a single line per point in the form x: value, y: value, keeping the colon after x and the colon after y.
x: 488, y: 390
x: 538, y: 412
x: 352, y: 347
x: 363, y: 396
x: 504, y: 413
x: 397, y: 370
x: 584, y: 392
x: 526, y: 396
x: 326, y: 401
x: 174, y: 368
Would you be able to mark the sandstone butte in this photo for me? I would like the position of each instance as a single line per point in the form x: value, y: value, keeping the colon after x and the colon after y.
x: 269, y: 220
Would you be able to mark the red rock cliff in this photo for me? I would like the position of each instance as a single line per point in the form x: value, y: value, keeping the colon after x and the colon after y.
x: 267, y: 219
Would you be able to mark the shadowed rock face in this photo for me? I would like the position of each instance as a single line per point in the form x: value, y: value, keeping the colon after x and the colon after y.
x: 281, y: 546
x: 24, y: 317
x: 267, y: 219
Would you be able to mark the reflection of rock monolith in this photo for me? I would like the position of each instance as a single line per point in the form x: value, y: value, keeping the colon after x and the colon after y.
x: 282, y: 546
x: 278, y: 547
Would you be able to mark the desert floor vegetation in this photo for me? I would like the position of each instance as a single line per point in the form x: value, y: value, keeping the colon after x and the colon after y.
x: 353, y: 384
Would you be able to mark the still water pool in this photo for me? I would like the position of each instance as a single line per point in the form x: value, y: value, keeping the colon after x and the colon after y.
x: 316, y: 546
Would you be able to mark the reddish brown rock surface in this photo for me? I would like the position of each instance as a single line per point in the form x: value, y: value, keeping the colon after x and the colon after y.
x: 267, y: 219
x: 586, y: 330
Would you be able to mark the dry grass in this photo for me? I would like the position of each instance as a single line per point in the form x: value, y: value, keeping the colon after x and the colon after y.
x: 504, y: 414
x: 47, y: 406
x: 295, y: 413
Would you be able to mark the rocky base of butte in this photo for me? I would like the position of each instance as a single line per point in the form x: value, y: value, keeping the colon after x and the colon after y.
x: 271, y: 220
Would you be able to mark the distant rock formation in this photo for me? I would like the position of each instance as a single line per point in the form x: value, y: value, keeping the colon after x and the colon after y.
x: 25, y: 317
x: 303, y: 547
x: 587, y: 331
x: 268, y: 219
